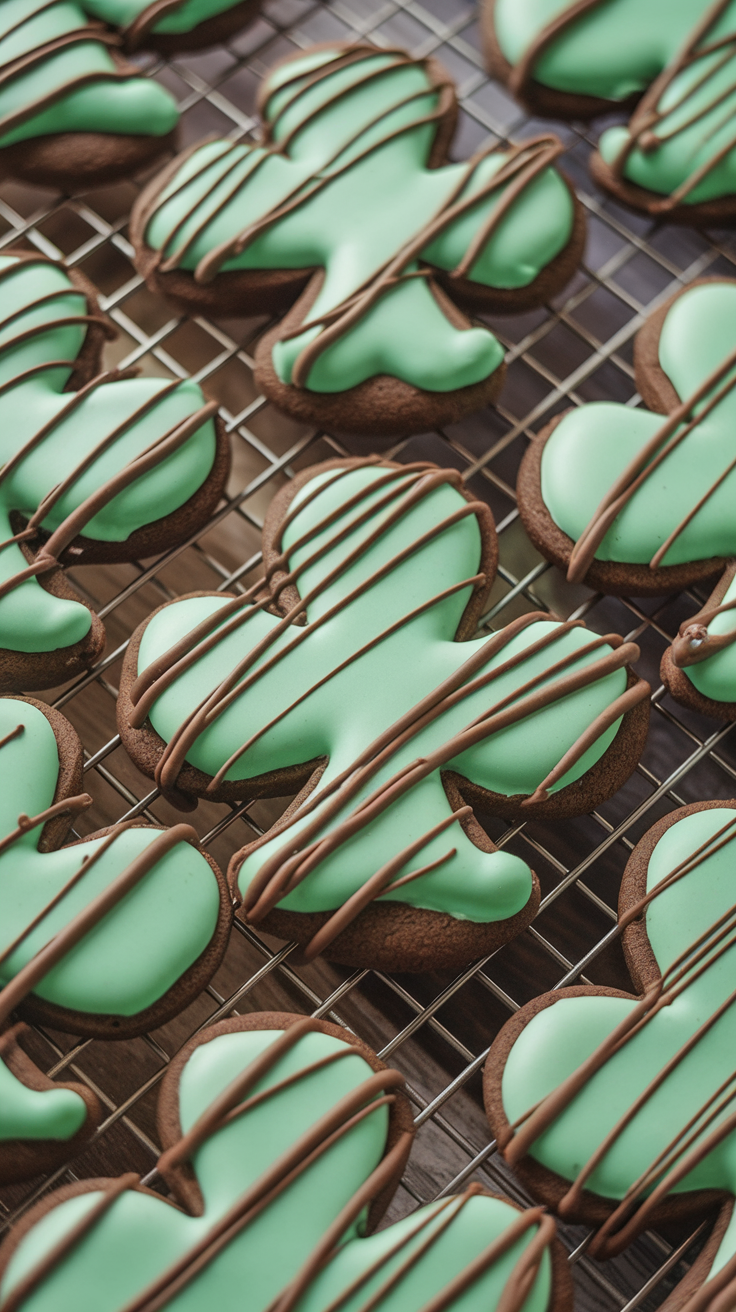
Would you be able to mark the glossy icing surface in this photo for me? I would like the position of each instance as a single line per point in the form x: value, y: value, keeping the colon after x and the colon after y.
x: 140, y: 1236
x: 594, y: 55
x: 715, y: 677
x: 185, y: 16
x: 594, y: 444
x: 162, y: 926
x: 338, y: 720
x: 75, y: 87
x: 367, y: 128
x: 37, y: 1114
x: 36, y: 296
x: 557, y: 1039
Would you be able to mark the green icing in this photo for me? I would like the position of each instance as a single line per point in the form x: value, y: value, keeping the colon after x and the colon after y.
x: 37, y: 1114
x: 716, y: 676
x: 120, y: 13
x: 133, y: 106
x: 141, y: 1236
x: 556, y: 1040
x: 360, y: 221
x: 339, y: 720
x: 161, y: 926
x: 31, y: 620
x: 593, y: 444
x: 595, y: 55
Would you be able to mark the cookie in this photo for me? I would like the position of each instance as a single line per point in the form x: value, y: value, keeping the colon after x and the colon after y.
x: 42, y: 1123
x: 74, y: 112
x: 350, y: 224
x: 96, y: 467
x: 699, y: 668
x: 676, y: 156
x: 386, y: 715
x: 284, y: 1139
x: 165, y: 905
x: 617, y: 1109
x: 630, y: 502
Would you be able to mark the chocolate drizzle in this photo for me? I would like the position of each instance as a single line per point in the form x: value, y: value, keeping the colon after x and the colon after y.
x: 236, y: 1100
x: 524, y: 163
x: 694, y: 643
x: 647, y: 461
x: 399, y: 491
x: 691, y: 1145
x: 648, y: 117
x: 48, y: 556
x: 33, y: 60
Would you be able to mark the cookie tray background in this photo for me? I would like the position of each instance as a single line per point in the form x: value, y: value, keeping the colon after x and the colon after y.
x: 435, y: 1029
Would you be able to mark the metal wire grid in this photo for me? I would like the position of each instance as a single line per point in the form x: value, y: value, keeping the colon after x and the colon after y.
x: 437, y: 1030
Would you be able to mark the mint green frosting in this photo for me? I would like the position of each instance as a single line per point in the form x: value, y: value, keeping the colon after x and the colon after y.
x: 359, y: 222
x: 595, y: 55
x: 556, y: 1040
x: 140, y: 949
x: 31, y: 620
x: 121, y: 13
x: 346, y: 714
x: 593, y: 444
x: 37, y: 1114
x: 132, y: 106
x: 716, y: 676
x: 142, y: 1235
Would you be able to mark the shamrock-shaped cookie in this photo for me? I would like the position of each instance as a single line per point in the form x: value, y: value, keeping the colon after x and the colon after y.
x: 73, y: 111
x: 341, y: 674
x: 91, y: 469
x: 110, y: 936
x: 676, y: 157
x: 700, y: 667
x: 635, y: 502
x: 618, y: 1109
x: 284, y: 1139
x: 351, y: 201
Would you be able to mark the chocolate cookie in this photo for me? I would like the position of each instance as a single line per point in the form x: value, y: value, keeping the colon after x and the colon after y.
x: 351, y: 223
x: 617, y: 1109
x: 74, y: 113
x: 676, y: 156
x: 95, y: 467
x: 284, y: 1139
x: 146, y: 913
x: 388, y: 725
x: 699, y: 668
x: 628, y: 502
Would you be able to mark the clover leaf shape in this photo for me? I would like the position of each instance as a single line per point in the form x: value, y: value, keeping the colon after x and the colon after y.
x: 172, y: 919
x: 624, y: 1103
x: 628, y: 501
x: 284, y: 1140
x: 352, y: 201
x: 676, y: 156
x: 388, y: 723
x: 110, y: 470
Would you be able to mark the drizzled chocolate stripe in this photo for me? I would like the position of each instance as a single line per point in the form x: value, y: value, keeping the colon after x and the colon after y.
x: 642, y: 128
x: 683, y: 1152
x: 140, y: 27
x: 693, y: 642
x: 48, y: 956
x: 646, y: 462
x: 36, y: 58
x: 524, y: 163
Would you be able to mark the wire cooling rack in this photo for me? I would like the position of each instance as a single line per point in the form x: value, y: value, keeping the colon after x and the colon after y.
x: 435, y: 1028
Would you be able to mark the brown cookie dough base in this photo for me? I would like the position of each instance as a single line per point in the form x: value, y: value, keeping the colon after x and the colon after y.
x: 212, y: 32
x: 546, y: 1185
x: 719, y: 212
x: 610, y: 576
x: 21, y: 1159
x: 77, y: 161
x: 190, y: 983
x: 678, y: 684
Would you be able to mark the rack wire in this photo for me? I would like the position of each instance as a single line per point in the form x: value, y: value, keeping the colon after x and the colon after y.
x: 436, y: 1029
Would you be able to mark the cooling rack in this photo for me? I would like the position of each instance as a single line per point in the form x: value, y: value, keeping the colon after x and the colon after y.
x: 435, y: 1028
